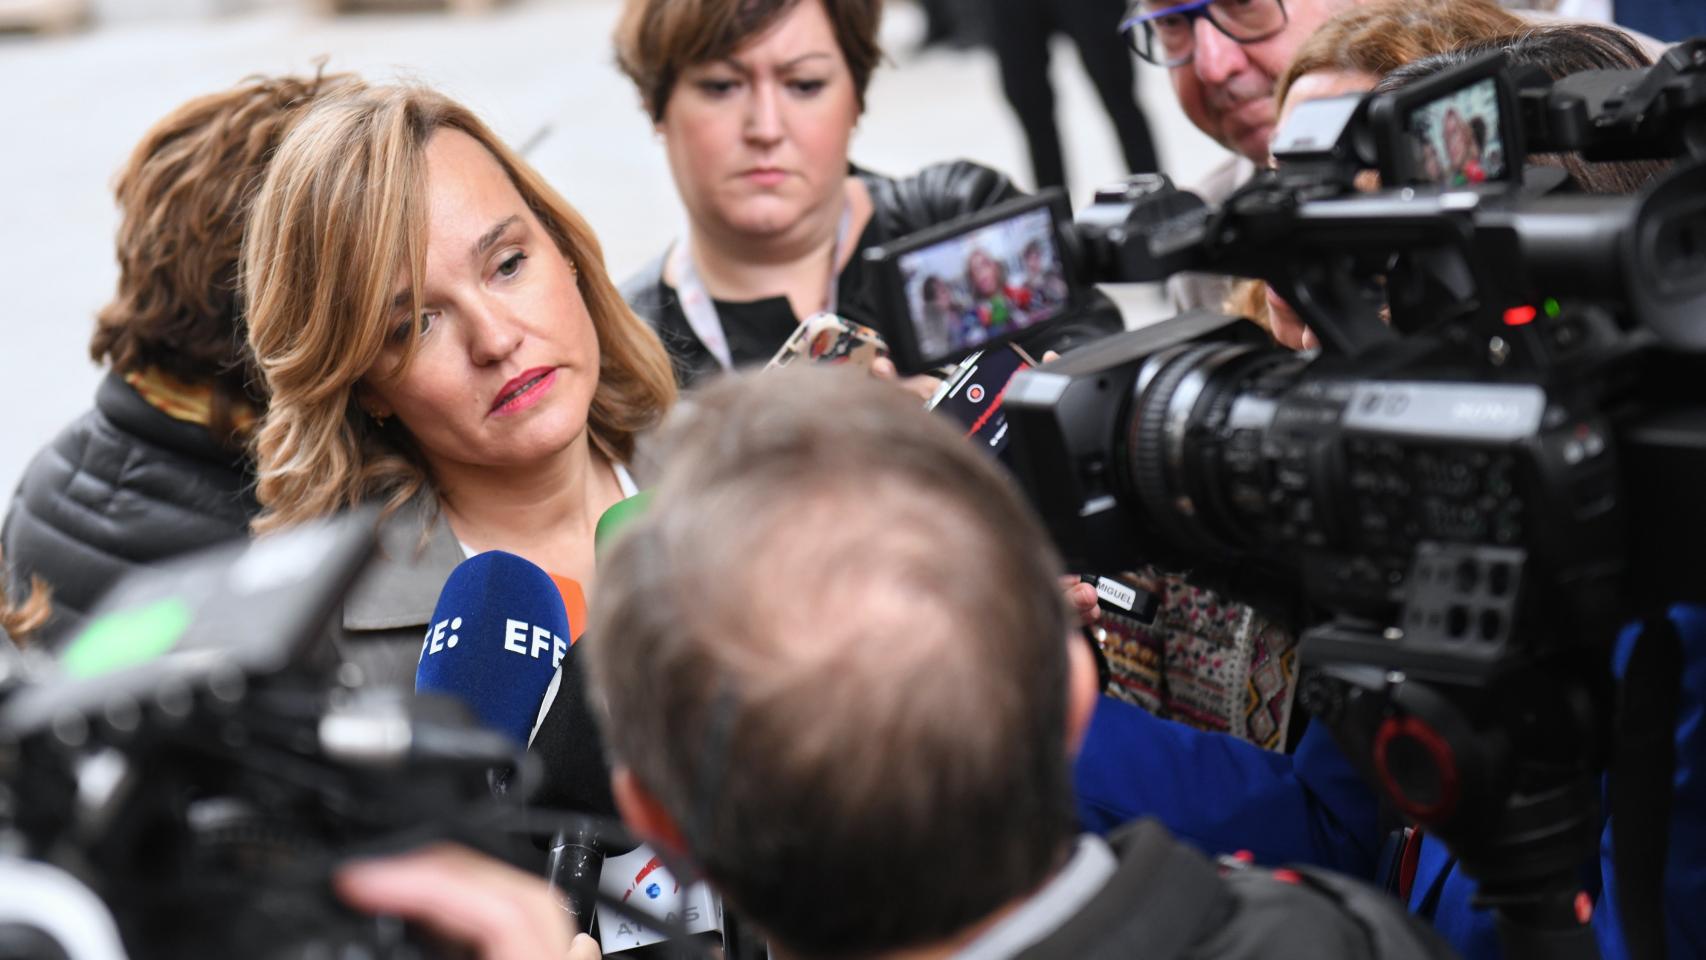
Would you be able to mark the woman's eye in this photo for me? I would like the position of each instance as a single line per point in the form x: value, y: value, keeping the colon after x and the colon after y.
x: 512, y: 265
x: 808, y: 87
x: 716, y: 87
x: 421, y: 326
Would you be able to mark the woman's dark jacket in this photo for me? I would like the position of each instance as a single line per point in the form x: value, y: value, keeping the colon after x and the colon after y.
x: 755, y: 331
x: 122, y: 486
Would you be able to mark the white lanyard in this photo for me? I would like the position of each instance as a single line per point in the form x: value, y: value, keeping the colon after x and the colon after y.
x: 701, y: 310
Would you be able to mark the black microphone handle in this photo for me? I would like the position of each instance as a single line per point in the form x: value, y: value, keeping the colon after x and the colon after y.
x: 575, y: 865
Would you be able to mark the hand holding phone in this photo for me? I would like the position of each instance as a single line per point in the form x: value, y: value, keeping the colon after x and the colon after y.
x: 827, y: 338
x: 972, y: 395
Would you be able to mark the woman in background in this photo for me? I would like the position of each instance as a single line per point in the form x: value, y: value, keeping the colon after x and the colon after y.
x: 158, y: 467
x: 756, y: 102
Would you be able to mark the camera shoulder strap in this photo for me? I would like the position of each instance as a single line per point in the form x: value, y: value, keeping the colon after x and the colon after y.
x: 1642, y: 774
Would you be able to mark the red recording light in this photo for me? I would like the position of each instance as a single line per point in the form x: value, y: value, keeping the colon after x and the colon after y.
x: 1519, y: 316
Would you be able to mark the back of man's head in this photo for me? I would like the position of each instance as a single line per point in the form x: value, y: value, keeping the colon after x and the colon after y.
x: 833, y: 653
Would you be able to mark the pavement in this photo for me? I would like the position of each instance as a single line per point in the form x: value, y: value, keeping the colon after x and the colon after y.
x: 540, y: 71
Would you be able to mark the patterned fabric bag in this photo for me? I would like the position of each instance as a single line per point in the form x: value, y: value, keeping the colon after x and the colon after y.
x: 1206, y: 661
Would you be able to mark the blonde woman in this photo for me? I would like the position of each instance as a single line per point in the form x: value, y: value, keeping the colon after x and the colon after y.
x: 439, y: 336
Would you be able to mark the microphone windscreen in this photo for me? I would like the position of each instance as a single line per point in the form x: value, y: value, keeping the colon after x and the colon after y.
x: 496, y: 638
x: 621, y: 514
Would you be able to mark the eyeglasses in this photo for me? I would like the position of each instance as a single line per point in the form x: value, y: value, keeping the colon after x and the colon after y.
x: 1168, y: 37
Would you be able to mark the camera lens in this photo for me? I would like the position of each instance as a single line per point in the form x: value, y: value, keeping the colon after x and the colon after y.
x: 1184, y: 458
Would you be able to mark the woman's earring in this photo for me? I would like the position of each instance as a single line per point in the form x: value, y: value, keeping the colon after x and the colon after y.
x: 379, y: 419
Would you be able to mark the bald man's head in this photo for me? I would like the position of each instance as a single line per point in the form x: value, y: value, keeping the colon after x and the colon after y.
x: 836, y: 653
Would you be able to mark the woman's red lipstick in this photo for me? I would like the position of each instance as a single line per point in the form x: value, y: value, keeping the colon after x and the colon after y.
x: 523, y: 391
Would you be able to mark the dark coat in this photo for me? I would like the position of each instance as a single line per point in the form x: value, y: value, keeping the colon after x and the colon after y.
x: 935, y: 195
x: 1168, y: 902
x: 122, y: 486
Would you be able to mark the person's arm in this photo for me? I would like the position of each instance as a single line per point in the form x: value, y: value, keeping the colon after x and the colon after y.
x: 1685, y: 866
x: 1685, y: 876
x: 1223, y: 795
x: 490, y: 907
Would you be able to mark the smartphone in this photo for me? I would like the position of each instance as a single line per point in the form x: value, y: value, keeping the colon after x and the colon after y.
x: 827, y: 338
x: 972, y: 394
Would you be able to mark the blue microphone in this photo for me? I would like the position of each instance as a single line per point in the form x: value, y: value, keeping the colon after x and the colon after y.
x: 496, y: 639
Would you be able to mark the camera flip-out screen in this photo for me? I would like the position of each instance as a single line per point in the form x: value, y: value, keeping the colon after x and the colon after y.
x: 1457, y: 129
x: 1457, y: 139
x: 976, y: 283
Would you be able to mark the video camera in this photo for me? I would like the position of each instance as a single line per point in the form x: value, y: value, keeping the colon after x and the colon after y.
x: 193, y: 760
x: 183, y: 778
x: 1491, y: 465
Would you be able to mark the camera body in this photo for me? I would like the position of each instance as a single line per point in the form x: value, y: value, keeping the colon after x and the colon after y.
x: 1492, y: 358
x: 193, y: 759
x: 1488, y: 468
x: 1427, y: 504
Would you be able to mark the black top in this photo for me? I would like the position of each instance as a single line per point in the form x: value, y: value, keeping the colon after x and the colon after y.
x: 756, y: 330
x: 573, y: 770
x: 122, y: 486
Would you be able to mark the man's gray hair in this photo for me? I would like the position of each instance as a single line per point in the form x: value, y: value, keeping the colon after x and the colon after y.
x: 835, y: 651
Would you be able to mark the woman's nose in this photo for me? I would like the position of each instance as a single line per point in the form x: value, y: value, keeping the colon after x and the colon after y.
x: 493, y: 333
x: 764, y: 114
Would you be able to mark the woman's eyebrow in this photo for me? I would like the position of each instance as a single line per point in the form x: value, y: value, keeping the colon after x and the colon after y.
x: 491, y: 237
x: 744, y: 70
x: 486, y: 242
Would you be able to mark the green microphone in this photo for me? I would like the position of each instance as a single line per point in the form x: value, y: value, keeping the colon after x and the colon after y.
x: 620, y: 515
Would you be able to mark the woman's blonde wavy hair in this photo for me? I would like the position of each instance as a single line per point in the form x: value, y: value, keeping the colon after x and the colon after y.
x: 342, y: 211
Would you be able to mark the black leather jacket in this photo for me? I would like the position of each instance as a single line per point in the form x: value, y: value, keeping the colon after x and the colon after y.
x: 935, y: 195
x: 121, y: 486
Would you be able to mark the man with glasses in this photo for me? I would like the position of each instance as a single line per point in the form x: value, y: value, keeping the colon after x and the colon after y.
x: 1224, y: 57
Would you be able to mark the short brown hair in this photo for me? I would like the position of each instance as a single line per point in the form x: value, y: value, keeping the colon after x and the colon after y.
x: 1381, y: 37
x: 835, y: 650
x: 341, y: 215
x: 181, y: 199
x: 658, y: 39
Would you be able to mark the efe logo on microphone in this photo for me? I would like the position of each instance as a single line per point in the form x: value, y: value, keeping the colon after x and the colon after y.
x: 520, y: 638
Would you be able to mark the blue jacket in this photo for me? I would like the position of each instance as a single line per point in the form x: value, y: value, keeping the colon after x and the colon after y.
x: 1224, y: 795
x: 1667, y: 20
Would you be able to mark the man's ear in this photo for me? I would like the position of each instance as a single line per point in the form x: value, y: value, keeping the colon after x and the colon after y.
x: 645, y: 816
x: 1083, y: 689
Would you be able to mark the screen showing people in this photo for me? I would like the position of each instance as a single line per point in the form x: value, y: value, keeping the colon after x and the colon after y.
x: 997, y: 279
x: 1457, y: 137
